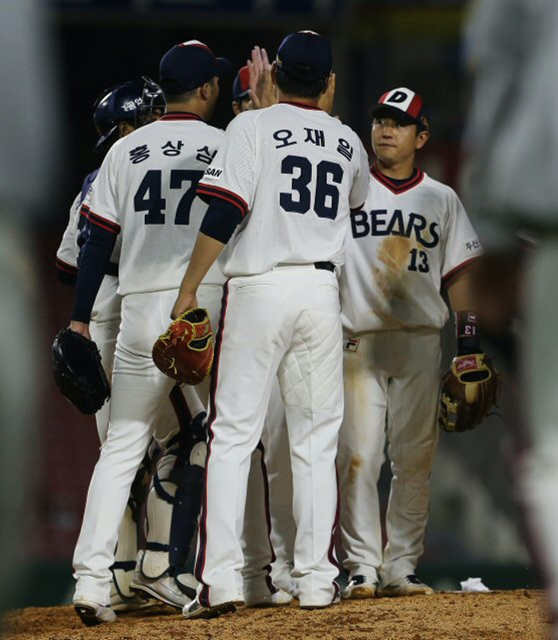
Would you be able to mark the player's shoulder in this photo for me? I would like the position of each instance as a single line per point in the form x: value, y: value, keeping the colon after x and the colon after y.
x: 436, y: 186
x: 431, y: 183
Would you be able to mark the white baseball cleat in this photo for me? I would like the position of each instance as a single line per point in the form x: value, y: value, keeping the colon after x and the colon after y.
x: 360, y: 587
x: 163, y: 589
x: 278, y: 599
x: 407, y: 586
x: 93, y: 613
x: 320, y: 605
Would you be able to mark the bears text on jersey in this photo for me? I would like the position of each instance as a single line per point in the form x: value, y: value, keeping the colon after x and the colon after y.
x: 379, y: 222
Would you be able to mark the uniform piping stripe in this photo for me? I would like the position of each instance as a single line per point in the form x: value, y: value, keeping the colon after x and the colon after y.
x: 392, y: 186
x: 268, y: 580
x: 178, y: 115
x: 457, y: 271
x: 223, y: 194
x: 331, y: 551
x: 67, y: 268
x: 202, y: 543
x: 105, y: 224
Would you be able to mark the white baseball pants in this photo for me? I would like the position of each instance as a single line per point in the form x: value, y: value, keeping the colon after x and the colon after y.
x: 105, y: 322
x: 392, y: 384
x: 287, y: 321
x: 139, y: 399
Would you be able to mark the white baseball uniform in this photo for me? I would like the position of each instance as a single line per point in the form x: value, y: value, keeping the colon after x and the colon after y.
x: 105, y: 317
x: 293, y: 172
x: 411, y: 239
x: 145, y: 192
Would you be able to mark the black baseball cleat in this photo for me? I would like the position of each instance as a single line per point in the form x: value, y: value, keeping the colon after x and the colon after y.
x: 195, y: 609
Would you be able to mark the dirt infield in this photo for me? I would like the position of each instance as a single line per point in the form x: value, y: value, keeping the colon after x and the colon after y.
x: 499, y: 615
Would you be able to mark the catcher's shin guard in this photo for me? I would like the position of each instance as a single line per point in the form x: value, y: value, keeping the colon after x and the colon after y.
x: 173, y: 504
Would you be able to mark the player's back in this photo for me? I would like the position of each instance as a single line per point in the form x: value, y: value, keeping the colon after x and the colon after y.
x: 295, y: 173
x: 147, y: 187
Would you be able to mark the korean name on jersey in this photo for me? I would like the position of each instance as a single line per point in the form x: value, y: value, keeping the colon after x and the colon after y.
x: 293, y: 171
x: 403, y: 247
x: 146, y: 191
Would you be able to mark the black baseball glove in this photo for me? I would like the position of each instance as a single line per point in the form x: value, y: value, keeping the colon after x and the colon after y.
x: 78, y: 372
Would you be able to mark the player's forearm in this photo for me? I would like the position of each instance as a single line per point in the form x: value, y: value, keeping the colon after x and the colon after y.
x: 461, y: 293
x: 94, y: 259
x: 206, y: 251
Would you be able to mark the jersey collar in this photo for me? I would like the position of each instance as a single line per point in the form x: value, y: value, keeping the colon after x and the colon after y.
x: 302, y: 105
x: 397, y: 186
x: 180, y: 115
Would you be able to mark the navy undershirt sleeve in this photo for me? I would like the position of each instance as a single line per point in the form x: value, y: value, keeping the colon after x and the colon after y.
x: 93, y: 262
x: 221, y: 220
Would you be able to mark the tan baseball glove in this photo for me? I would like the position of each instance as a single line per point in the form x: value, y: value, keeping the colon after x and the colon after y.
x: 469, y: 390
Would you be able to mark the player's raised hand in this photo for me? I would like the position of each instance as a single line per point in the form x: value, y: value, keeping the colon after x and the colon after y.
x: 262, y: 89
x: 326, y: 99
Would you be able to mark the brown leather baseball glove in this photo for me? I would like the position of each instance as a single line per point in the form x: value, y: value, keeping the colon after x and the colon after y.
x: 185, y: 352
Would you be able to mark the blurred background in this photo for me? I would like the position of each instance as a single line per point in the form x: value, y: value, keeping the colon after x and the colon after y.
x: 475, y: 527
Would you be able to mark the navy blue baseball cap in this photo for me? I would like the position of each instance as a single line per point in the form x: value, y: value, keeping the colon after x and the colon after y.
x: 188, y: 65
x: 241, y: 85
x: 305, y: 55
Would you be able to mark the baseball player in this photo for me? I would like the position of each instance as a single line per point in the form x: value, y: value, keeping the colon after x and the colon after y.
x: 299, y: 174
x: 117, y: 112
x: 269, y: 531
x: 512, y: 109
x: 144, y: 195
x: 241, y: 91
x: 411, y: 241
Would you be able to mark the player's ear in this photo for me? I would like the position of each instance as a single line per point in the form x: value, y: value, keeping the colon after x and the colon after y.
x: 274, y: 72
x: 235, y: 107
x: 205, y: 90
x: 124, y: 128
x: 422, y: 139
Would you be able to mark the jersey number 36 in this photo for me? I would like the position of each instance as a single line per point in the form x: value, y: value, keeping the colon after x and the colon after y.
x: 326, y: 194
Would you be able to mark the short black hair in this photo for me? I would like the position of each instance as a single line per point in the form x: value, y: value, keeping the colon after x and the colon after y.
x: 174, y: 93
x: 301, y: 88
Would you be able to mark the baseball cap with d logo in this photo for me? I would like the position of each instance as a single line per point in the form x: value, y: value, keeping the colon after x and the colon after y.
x: 405, y: 105
x: 241, y: 85
x: 305, y: 55
x: 188, y: 65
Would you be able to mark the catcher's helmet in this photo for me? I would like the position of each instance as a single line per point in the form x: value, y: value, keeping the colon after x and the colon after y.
x: 133, y: 102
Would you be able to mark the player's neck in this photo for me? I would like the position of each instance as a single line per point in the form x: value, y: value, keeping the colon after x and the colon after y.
x: 285, y: 97
x: 187, y: 107
x: 397, y: 170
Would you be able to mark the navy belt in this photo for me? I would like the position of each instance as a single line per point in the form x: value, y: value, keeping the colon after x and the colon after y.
x: 326, y: 266
x: 112, y: 269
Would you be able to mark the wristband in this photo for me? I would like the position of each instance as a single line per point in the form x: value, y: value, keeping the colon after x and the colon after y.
x: 466, y: 332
